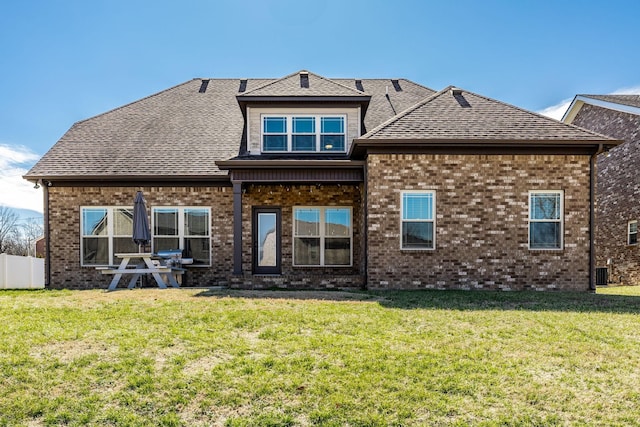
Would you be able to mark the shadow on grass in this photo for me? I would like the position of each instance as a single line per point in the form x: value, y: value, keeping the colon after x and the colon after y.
x: 520, y: 300
x: 324, y: 295
x: 455, y: 300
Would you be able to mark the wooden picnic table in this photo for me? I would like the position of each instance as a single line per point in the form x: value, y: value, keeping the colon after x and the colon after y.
x: 138, y: 268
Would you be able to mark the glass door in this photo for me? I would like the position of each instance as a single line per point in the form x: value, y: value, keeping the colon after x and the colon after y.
x: 266, y: 241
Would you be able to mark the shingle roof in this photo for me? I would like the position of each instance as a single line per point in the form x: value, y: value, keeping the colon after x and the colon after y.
x: 387, y: 98
x: 175, y: 133
x: 630, y: 100
x: 317, y: 86
x: 181, y: 132
x: 472, y: 117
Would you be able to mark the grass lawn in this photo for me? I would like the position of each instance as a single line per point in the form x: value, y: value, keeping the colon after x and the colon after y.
x: 231, y: 358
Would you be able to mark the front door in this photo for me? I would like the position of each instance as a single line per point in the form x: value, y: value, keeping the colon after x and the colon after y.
x: 266, y: 241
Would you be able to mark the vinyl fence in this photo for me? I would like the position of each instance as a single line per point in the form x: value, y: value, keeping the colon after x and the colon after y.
x: 21, y: 272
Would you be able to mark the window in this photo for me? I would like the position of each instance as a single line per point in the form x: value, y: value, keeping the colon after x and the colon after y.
x: 322, y: 236
x: 418, y: 219
x: 303, y: 133
x: 632, y: 228
x: 545, y: 219
x: 105, y: 231
x: 184, y: 228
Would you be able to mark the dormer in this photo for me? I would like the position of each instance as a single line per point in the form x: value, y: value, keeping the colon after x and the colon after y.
x: 302, y: 113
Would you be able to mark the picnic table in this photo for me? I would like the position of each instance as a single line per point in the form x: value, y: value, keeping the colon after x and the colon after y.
x: 149, y: 264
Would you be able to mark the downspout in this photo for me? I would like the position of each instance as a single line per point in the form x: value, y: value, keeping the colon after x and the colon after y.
x: 592, y: 217
x: 365, y: 284
x: 47, y: 233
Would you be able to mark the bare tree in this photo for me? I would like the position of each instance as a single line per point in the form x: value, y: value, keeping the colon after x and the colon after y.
x: 8, y: 228
x: 31, y: 231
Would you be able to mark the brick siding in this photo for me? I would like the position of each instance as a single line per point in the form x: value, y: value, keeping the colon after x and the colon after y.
x: 617, y: 191
x: 64, y: 225
x: 286, y: 197
x: 481, y: 222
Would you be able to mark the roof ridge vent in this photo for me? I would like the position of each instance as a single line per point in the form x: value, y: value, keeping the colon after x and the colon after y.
x: 243, y: 85
x: 359, y: 85
x: 396, y: 85
x: 203, y: 86
x: 456, y: 92
x: 304, y: 79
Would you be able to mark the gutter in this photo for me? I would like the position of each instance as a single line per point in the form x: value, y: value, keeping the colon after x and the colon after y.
x: 47, y: 234
x: 592, y: 216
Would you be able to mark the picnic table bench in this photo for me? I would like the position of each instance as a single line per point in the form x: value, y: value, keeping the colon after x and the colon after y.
x: 162, y: 274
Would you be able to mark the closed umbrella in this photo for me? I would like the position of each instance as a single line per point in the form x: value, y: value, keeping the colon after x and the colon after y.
x: 141, y: 232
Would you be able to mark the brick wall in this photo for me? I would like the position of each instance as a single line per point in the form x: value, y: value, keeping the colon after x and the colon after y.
x: 481, y: 222
x: 617, y: 191
x: 286, y: 197
x: 64, y: 224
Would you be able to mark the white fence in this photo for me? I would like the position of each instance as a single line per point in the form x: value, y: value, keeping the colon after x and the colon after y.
x: 21, y: 272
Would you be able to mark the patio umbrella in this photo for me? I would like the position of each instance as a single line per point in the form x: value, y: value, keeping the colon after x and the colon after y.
x: 141, y: 233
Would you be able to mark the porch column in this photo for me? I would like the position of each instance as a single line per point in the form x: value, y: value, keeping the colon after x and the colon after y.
x: 237, y: 227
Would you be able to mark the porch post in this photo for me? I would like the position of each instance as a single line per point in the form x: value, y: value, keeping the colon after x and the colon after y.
x: 237, y: 227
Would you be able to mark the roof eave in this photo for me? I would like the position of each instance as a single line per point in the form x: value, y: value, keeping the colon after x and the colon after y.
x: 360, y: 146
x: 289, y: 164
x: 124, y: 178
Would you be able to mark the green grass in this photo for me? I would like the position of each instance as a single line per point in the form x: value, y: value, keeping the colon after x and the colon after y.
x: 195, y: 357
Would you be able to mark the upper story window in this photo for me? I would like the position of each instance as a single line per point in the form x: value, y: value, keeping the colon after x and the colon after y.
x: 303, y: 133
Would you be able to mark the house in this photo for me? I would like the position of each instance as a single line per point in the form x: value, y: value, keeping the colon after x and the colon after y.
x: 618, y: 182
x: 313, y: 182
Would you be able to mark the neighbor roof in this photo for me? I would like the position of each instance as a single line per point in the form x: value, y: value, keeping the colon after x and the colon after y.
x: 623, y: 103
x: 630, y: 100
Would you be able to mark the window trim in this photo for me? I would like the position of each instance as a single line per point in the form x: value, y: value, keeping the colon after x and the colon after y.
x: 289, y: 132
x: 181, y: 234
x: 110, y: 235
x: 322, y: 236
x: 629, y: 232
x: 559, y: 220
x: 433, y: 221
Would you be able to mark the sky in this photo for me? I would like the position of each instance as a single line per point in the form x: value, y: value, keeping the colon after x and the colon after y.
x: 65, y: 60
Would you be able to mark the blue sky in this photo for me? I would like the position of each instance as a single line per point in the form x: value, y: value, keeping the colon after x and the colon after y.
x: 64, y: 61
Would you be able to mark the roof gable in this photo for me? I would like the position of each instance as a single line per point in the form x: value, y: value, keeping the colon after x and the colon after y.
x: 302, y: 84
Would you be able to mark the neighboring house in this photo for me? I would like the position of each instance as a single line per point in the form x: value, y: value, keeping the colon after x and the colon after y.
x: 311, y: 182
x: 618, y: 181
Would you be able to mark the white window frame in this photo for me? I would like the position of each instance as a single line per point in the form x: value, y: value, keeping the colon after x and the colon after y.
x: 322, y: 235
x: 289, y: 132
x: 629, y: 233
x: 560, y: 220
x: 110, y: 234
x: 433, y: 220
x: 181, y: 229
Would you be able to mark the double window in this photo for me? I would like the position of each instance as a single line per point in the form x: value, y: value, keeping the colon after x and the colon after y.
x: 322, y: 236
x: 418, y: 219
x: 105, y: 231
x: 303, y: 133
x: 632, y: 232
x: 545, y: 219
x: 184, y: 228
